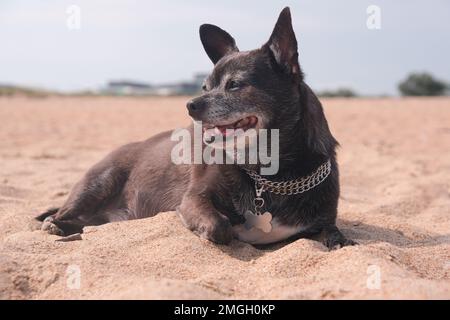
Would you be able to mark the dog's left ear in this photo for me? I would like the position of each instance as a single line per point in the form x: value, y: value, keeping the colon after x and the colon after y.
x: 217, y: 42
x: 282, y: 44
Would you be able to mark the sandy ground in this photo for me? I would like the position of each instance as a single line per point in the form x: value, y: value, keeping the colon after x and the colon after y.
x: 395, y: 177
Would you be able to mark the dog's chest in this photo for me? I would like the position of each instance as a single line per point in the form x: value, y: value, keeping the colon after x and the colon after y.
x: 277, y: 206
x: 278, y: 232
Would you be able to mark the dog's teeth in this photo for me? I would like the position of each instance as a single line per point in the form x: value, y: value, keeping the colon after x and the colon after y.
x: 217, y: 131
x: 230, y: 129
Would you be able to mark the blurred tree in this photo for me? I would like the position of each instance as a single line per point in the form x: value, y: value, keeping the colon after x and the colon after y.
x: 422, y: 84
x: 341, y: 92
x: 12, y: 90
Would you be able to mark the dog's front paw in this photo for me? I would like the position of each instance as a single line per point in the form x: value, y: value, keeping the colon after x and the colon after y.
x: 334, y: 239
x: 334, y: 244
x: 213, y: 227
x: 219, y: 232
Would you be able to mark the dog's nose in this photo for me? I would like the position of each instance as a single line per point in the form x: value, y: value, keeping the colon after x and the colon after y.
x: 194, y: 107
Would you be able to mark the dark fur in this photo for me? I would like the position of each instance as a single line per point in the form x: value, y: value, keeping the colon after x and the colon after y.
x: 139, y: 180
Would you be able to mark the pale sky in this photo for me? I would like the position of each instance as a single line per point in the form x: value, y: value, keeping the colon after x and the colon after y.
x: 157, y: 41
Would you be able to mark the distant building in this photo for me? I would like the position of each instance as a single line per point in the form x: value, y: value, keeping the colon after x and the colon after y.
x: 125, y: 88
x: 199, y: 78
x: 132, y: 88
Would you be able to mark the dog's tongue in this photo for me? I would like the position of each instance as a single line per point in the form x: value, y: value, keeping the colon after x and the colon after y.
x: 224, y: 130
x: 229, y: 129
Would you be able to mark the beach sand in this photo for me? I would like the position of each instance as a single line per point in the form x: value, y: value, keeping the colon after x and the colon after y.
x: 395, y: 201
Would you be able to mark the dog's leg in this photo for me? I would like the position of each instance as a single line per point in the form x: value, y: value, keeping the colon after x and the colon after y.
x: 199, y: 215
x: 56, y: 227
x: 197, y: 211
x: 46, y: 214
x: 334, y: 239
x: 95, y: 190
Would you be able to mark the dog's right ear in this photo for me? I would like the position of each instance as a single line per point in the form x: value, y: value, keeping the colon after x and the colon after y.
x: 283, y: 45
x: 217, y: 42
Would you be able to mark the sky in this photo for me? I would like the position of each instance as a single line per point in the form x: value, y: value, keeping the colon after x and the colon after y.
x: 157, y: 41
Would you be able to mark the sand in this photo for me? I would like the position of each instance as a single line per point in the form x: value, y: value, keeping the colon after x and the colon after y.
x: 395, y: 177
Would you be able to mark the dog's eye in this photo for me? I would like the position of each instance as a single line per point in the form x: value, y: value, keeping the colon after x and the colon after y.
x: 204, y: 88
x: 233, y: 85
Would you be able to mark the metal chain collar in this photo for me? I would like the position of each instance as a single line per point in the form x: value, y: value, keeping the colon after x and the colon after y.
x: 290, y: 187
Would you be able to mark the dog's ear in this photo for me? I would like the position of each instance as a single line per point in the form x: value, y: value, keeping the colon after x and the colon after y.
x: 282, y: 45
x: 217, y: 42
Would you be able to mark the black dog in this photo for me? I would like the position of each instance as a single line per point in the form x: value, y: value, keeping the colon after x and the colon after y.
x: 258, y: 89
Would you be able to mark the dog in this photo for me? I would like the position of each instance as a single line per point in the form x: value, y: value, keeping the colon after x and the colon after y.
x: 257, y: 89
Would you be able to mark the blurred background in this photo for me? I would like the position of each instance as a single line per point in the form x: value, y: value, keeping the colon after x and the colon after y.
x: 119, y: 47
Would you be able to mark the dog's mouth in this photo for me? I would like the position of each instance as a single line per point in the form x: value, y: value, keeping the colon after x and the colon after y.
x: 229, y: 129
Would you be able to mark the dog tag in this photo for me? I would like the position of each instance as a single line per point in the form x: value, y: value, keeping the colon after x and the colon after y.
x: 259, y: 221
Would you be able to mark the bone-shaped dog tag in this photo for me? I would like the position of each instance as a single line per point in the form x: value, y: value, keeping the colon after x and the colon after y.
x: 259, y: 221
